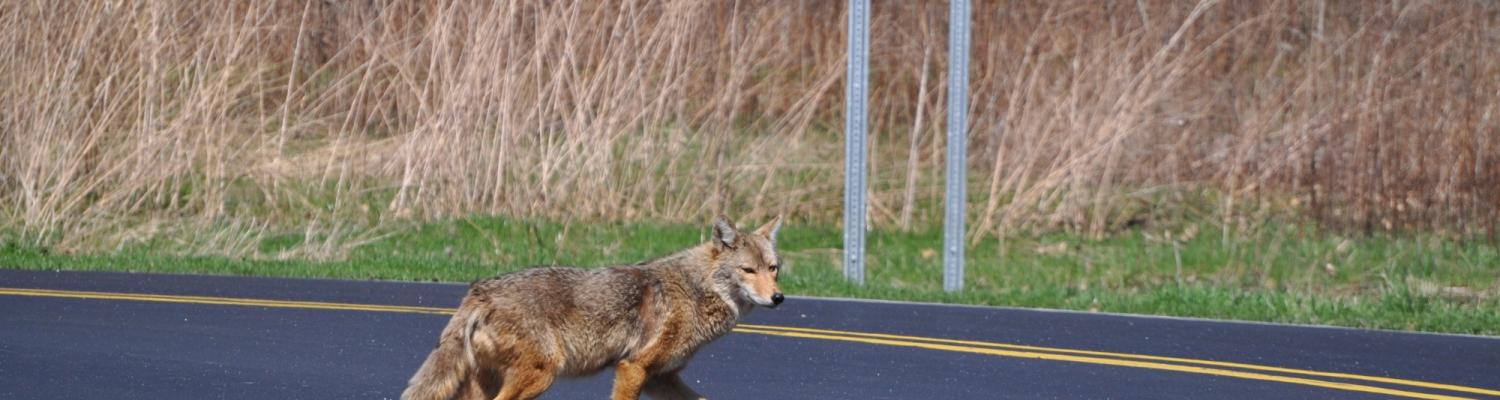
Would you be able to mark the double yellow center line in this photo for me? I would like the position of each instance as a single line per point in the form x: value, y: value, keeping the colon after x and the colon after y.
x: 1187, y: 365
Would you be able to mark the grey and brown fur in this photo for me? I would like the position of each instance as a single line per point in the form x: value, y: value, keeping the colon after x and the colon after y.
x: 513, y: 334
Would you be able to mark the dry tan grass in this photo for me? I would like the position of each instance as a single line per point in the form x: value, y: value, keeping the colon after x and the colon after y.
x: 328, y: 115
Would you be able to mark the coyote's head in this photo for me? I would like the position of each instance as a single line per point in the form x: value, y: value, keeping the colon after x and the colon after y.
x: 748, y: 261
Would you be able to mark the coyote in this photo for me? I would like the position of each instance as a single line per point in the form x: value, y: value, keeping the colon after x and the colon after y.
x: 513, y: 334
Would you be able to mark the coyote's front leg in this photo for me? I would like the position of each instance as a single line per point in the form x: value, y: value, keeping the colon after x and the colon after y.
x: 669, y: 386
x: 629, y: 379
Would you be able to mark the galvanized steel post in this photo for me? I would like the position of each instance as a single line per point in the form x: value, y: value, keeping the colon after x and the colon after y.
x: 958, y: 141
x: 856, y: 95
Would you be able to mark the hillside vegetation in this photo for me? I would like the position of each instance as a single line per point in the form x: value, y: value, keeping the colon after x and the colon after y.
x: 1302, y: 161
x: 218, y: 123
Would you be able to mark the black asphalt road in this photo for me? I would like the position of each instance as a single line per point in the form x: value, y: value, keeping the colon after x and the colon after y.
x: 85, y: 340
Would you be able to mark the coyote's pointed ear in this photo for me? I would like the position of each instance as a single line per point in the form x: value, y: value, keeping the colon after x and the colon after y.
x: 724, y: 233
x: 770, y: 228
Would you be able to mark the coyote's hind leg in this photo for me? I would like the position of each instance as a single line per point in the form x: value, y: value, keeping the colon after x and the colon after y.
x: 525, y: 382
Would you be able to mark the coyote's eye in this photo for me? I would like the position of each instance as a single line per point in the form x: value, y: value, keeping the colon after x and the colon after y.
x: 775, y: 267
x: 748, y: 270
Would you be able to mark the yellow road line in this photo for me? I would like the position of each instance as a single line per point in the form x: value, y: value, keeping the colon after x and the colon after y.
x: 1396, y: 381
x: 1109, y: 361
x: 224, y: 301
x: 964, y: 346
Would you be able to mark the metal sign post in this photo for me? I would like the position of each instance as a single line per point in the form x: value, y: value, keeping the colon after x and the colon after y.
x: 856, y: 98
x: 958, y: 141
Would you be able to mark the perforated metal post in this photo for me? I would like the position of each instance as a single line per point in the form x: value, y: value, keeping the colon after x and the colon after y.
x: 856, y: 100
x: 958, y: 141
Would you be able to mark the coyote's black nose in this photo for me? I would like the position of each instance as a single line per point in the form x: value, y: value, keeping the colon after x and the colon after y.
x: 777, y: 298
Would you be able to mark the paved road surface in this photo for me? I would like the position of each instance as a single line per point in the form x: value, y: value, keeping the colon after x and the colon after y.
x: 76, y: 335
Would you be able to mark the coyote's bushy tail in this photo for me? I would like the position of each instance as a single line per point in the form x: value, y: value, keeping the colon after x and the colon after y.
x: 448, y: 364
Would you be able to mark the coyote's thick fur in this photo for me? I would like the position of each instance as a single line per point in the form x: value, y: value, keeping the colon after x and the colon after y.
x: 514, y: 333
